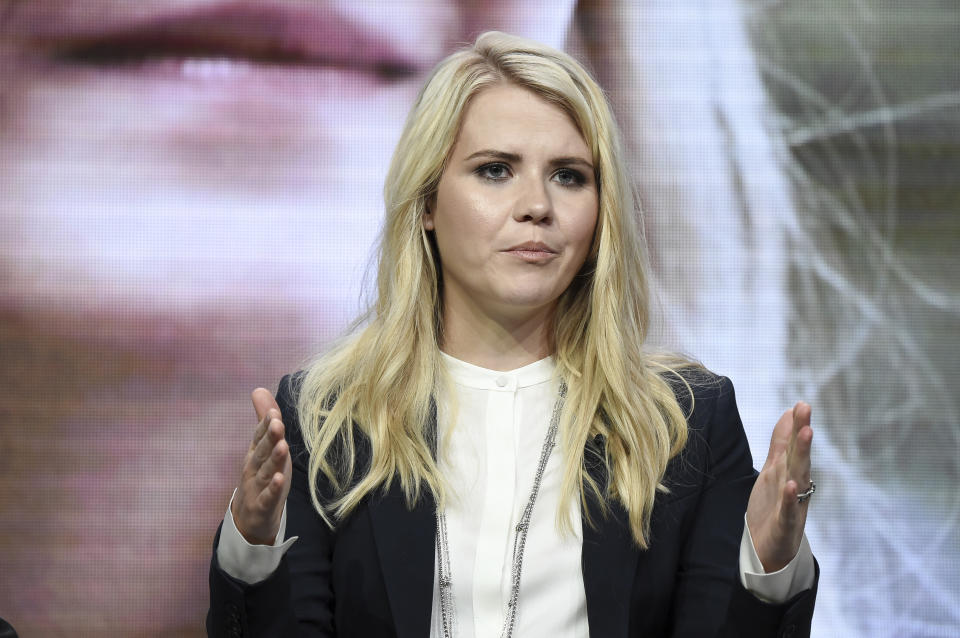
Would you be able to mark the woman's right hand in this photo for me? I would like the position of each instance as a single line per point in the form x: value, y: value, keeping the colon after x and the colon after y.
x: 265, y: 477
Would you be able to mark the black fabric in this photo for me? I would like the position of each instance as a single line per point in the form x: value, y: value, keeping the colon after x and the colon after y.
x: 373, y: 577
x: 7, y: 630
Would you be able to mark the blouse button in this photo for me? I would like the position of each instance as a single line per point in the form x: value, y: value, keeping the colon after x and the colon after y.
x: 501, y: 382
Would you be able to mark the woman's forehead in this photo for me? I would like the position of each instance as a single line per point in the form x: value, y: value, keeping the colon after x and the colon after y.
x: 514, y: 119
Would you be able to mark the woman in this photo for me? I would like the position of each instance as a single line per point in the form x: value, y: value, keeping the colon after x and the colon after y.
x: 494, y: 451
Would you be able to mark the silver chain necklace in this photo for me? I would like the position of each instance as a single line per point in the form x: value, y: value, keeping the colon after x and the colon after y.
x: 444, y: 579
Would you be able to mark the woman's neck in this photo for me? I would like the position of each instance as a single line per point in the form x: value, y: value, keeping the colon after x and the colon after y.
x: 497, y: 343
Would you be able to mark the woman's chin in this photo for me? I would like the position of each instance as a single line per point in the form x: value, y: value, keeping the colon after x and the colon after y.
x: 523, y: 304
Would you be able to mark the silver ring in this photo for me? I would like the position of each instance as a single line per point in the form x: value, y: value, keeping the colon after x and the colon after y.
x: 803, y: 496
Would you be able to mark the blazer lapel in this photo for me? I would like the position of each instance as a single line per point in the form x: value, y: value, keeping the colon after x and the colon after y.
x: 406, y: 549
x: 405, y: 546
x: 609, y: 561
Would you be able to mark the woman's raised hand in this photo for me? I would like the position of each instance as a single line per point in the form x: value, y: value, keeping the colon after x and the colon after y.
x: 775, y: 515
x: 265, y: 478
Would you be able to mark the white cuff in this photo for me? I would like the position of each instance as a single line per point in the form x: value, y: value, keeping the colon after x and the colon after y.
x: 245, y: 562
x: 779, y: 586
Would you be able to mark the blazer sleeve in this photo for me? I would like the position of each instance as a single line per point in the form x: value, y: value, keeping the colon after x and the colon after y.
x: 272, y: 607
x: 708, y: 589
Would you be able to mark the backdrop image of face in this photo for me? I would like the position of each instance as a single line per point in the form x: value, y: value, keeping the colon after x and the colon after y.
x: 190, y: 197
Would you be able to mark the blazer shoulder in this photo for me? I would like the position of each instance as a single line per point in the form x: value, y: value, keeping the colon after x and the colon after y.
x: 287, y: 396
x: 288, y: 392
x: 715, y: 434
x: 700, y: 392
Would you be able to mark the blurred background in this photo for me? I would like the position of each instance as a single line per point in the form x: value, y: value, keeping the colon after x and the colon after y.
x: 190, y: 194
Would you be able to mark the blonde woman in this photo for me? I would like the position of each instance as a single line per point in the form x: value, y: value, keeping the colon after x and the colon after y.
x: 493, y: 451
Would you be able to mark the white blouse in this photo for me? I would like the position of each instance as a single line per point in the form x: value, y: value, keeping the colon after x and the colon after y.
x: 490, y: 456
x: 491, y: 438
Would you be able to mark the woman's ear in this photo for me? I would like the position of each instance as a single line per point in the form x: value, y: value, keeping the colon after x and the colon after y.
x: 428, y: 212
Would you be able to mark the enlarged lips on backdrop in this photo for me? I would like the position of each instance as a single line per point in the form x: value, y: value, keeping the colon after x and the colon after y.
x: 191, y: 153
x: 267, y: 33
x: 180, y: 153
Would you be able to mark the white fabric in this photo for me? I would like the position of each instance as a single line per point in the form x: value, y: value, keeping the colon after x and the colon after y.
x: 490, y: 457
x: 781, y: 585
x: 250, y: 563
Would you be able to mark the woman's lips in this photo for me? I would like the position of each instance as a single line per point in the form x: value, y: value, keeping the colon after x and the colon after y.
x: 533, y: 252
x: 267, y: 33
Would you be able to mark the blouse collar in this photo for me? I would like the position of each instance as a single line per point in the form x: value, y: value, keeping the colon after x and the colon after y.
x: 473, y: 376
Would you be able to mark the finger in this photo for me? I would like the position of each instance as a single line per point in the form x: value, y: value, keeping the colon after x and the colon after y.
x: 798, y: 460
x: 261, y: 429
x: 799, y: 419
x: 265, y: 445
x: 274, y: 463
x: 780, y: 439
x: 801, y: 415
x: 269, y: 497
x: 263, y: 401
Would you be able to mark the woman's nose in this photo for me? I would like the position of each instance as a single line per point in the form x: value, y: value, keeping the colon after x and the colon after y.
x: 534, y: 204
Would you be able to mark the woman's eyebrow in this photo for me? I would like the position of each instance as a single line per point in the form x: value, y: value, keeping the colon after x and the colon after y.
x: 492, y: 154
x: 516, y: 158
x: 573, y: 159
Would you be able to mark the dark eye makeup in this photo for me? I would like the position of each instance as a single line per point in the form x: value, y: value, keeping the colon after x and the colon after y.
x: 498, y: 172
x: 570, y: 177
x: 495, y: 171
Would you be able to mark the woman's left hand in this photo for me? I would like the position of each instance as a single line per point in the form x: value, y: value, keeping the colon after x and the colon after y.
x: 774, y: 515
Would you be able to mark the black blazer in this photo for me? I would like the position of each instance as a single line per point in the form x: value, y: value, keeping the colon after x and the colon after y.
x: 373, y: 576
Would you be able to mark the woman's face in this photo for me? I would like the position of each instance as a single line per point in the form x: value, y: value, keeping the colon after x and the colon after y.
x: 515, y: 208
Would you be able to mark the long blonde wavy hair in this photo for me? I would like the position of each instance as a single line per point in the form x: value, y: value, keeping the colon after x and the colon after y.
x: 375, y: 387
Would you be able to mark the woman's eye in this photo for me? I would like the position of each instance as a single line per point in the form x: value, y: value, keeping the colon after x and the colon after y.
x: 568, y: 177
x: 495, y: 172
